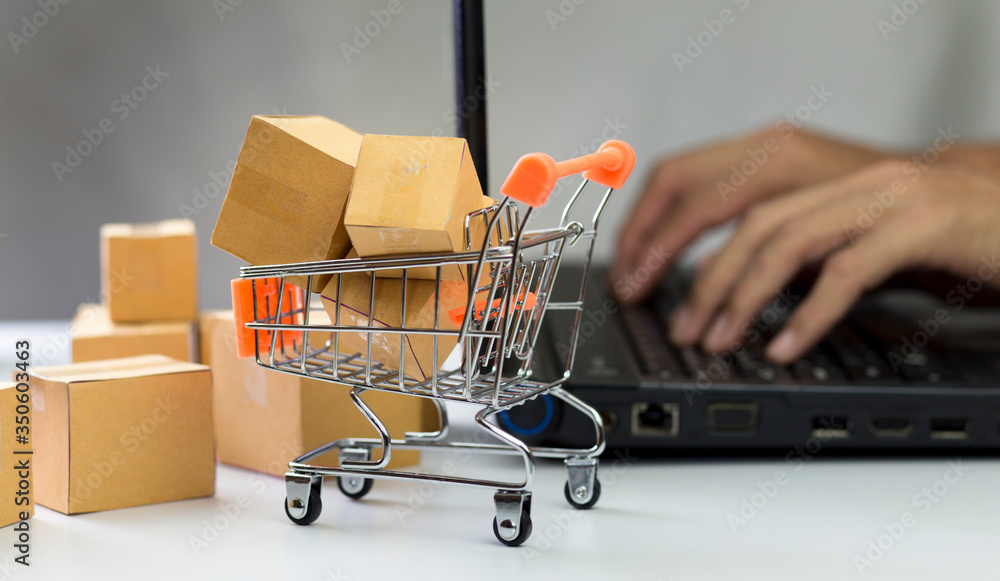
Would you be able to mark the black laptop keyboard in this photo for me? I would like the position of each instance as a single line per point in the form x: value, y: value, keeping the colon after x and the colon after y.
x: 848, y: 355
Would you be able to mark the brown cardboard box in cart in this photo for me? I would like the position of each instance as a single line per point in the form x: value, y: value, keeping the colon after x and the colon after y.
x: 122, y: 432
x: 149, y: 272
x: 96, y: 337
x: 418, y: 350
x: 18, y: 469
x: 265, y: 418
x: 286, y: 200
x: 477, y: 234
x: 411, y: 195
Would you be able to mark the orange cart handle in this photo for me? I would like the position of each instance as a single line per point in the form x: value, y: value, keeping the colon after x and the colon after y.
x: 535, y: 174
x: 457, y: 315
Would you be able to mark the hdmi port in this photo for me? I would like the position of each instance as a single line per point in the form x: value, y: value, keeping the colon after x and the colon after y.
x: 891, y: 427
x: 950, y: 429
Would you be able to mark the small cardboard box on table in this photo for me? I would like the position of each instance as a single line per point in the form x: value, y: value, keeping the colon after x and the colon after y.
x: 95, y: 337
x: 17, y: 472
x: 149, y: 272
x: 122, y: 432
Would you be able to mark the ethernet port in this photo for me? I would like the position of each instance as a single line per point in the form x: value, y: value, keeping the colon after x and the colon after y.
x: 655, y: 419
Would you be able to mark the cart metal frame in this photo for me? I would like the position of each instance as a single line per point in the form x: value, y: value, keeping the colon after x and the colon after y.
x: 496, y: 335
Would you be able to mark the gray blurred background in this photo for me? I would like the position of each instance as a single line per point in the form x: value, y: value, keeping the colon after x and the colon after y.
x: 564, y: 73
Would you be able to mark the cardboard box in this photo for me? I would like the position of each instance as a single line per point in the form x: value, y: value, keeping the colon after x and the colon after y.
x: 122, y: 432
x: 452, y: 272
x: 287, y: 196
x: 18, y: 468
x: 411, y: 196
x: 418, y: 355
x: 150, y: 271
x: 95, y: 337
x: 264, y: 418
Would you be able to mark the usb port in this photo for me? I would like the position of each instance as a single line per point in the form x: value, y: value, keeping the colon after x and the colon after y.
x: 950, y: 428
x: 891, y: 427
x: 732, y: 416
x: 831, y: 427
x: 655, y: 419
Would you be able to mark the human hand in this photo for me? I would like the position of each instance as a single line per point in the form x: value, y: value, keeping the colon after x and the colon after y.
x: 862, y: 228
x: 690, y: 193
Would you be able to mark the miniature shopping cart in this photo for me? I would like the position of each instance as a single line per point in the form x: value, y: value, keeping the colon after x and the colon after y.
x: 494, y: 333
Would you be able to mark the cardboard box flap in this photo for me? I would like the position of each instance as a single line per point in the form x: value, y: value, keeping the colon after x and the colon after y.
x: 326, y: 135
x: 162, y: 229
x: 140, y: 366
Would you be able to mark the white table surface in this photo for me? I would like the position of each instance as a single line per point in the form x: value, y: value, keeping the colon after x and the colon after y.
x: 657, y: 519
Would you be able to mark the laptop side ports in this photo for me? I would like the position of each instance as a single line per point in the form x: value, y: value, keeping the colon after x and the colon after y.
x: 655, y: 419
x: 832, y: 427
x: 891, y: 426
x: 950, y: 428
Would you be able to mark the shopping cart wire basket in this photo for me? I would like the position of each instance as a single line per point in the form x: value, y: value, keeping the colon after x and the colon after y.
x: 508, y: 274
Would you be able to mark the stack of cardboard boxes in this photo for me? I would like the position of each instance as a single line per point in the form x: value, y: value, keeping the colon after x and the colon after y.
x: 129, y: 422
x: 149, y: 285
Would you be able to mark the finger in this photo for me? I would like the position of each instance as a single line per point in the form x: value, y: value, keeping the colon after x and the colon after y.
x: 687, y: 219
x: 803, y: 239
x: 894, y: 244
x: 669, y: 195
x: 662, y: 189
x: 714, y: 284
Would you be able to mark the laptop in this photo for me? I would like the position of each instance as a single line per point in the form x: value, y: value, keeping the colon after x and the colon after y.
x: 890, y: 377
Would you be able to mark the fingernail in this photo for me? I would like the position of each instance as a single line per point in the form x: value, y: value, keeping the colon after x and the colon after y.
x: 716, y: 338
x: 680, y: 325
x: 783, y: 347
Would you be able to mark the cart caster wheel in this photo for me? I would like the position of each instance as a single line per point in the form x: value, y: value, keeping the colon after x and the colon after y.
x: 312, y: 511
x: 522, y: 534
x: 583, y: 505
x: 354, y: 487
